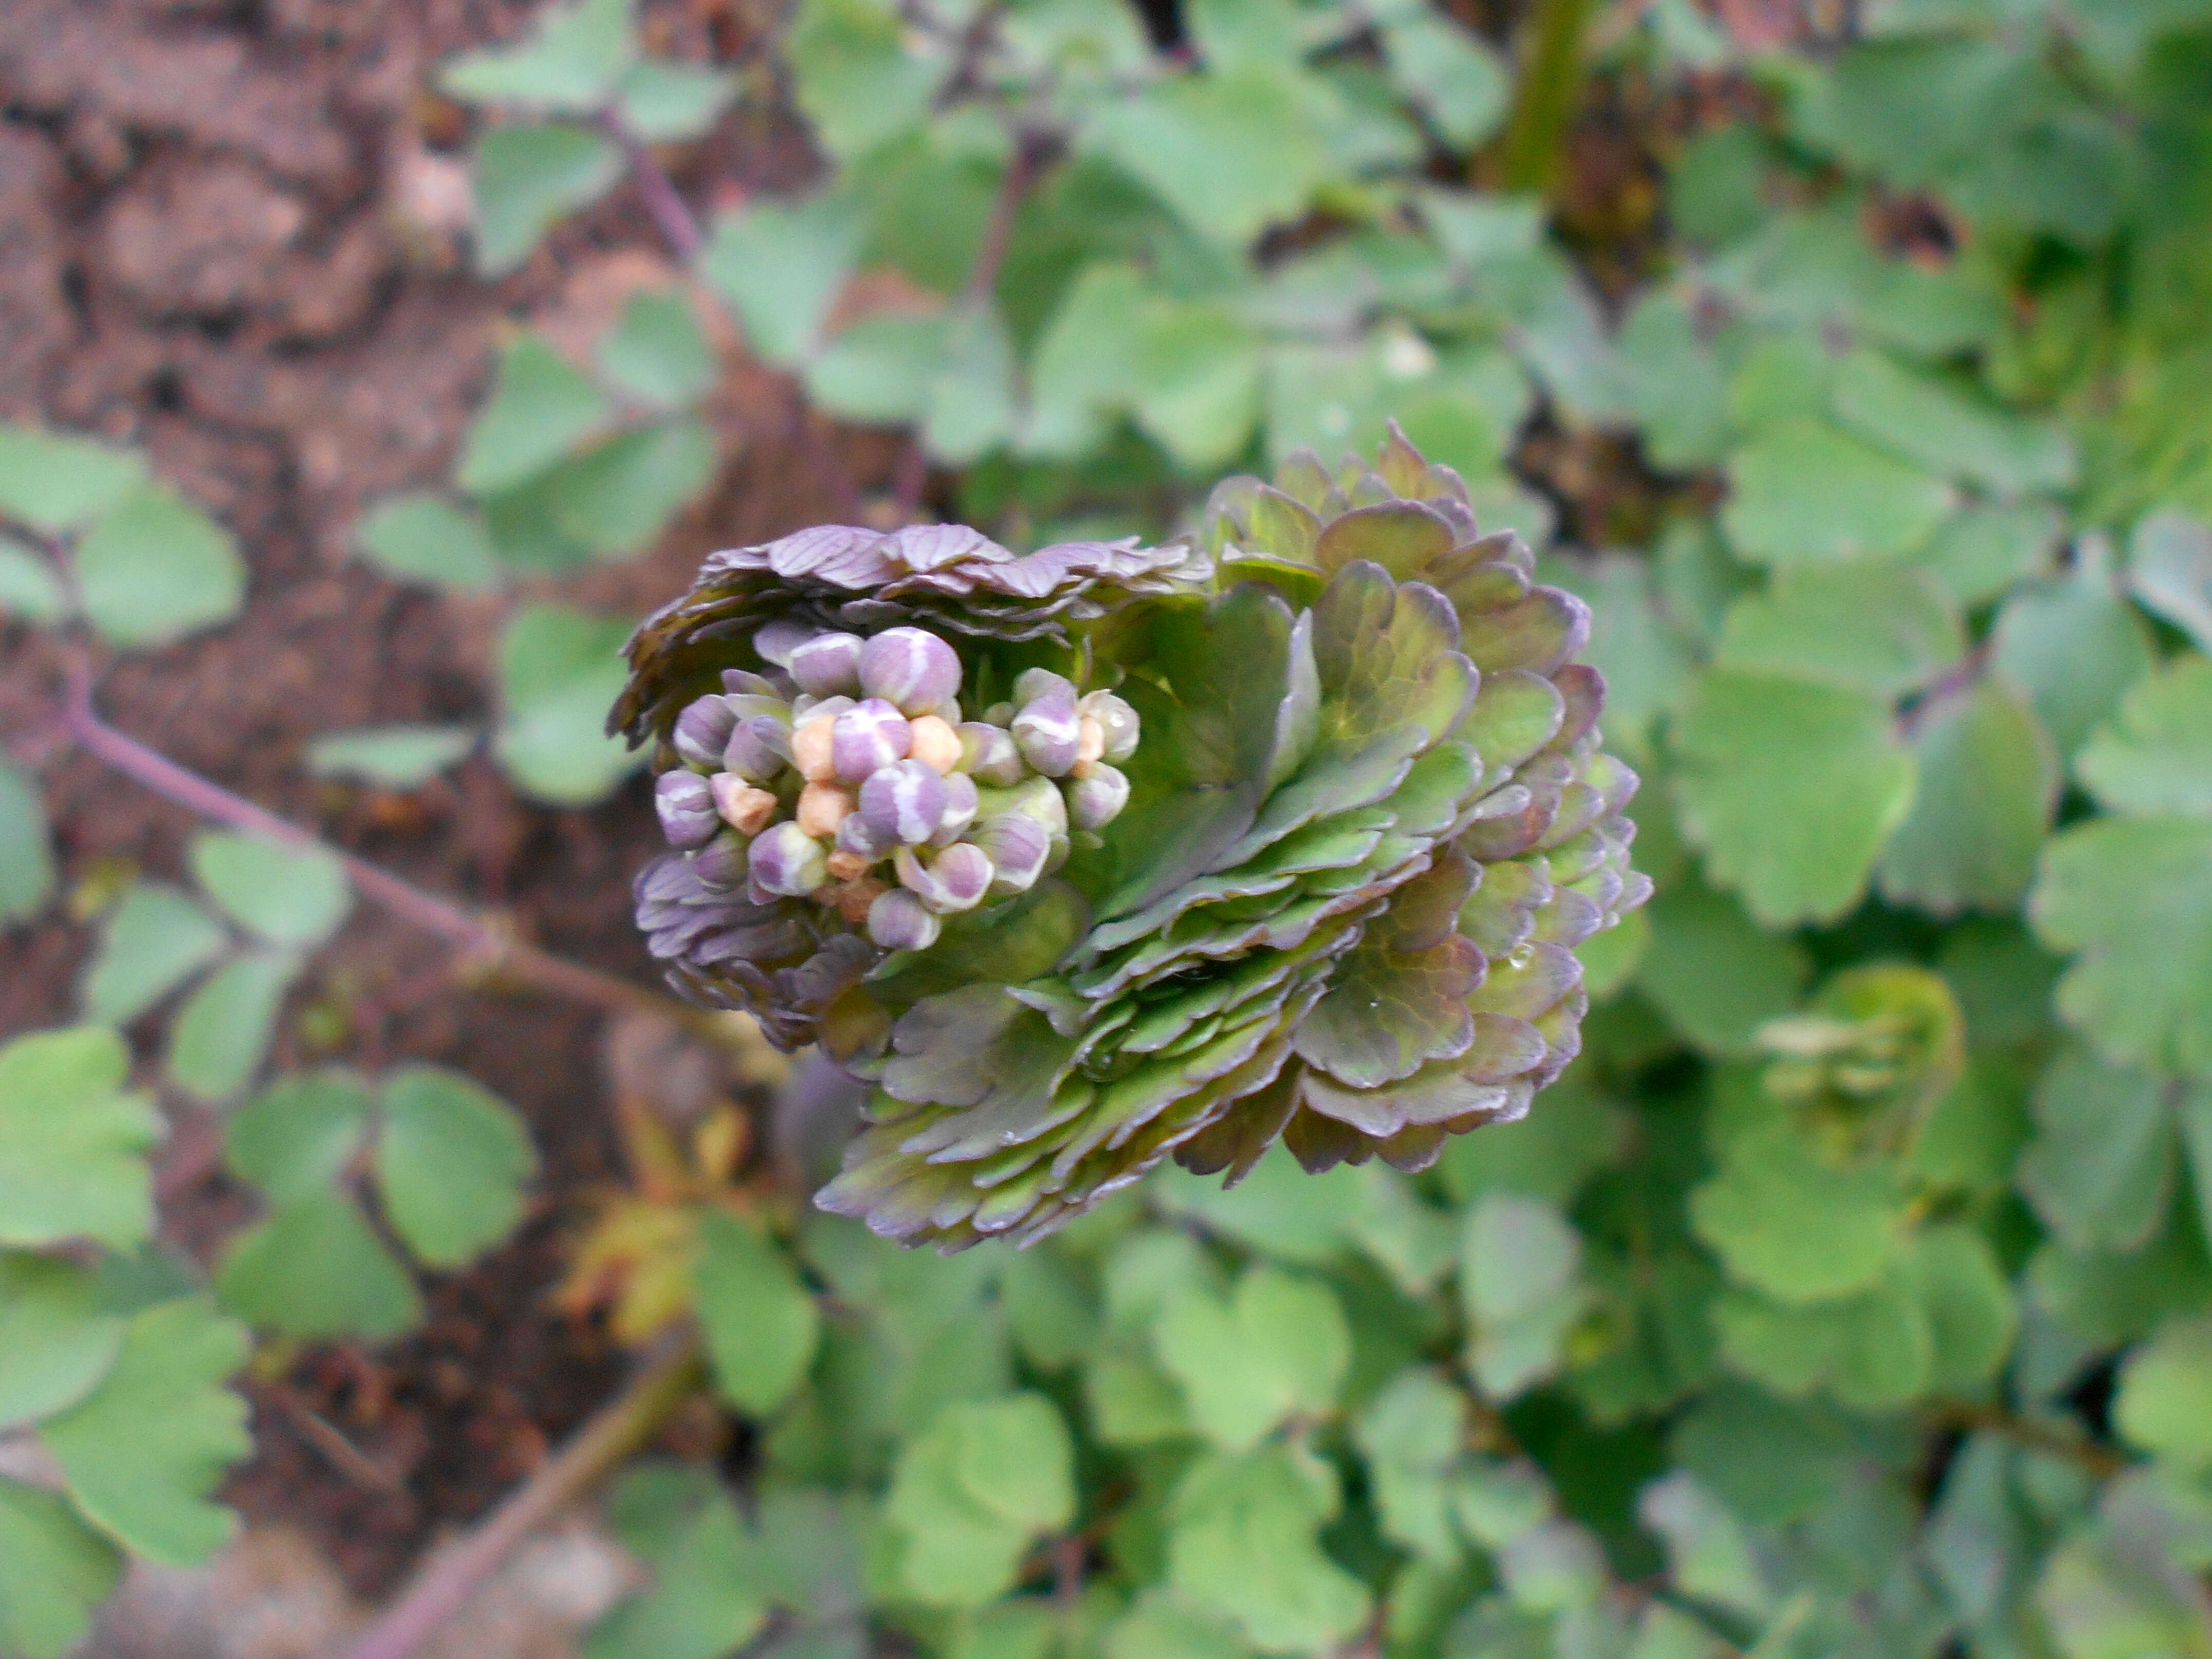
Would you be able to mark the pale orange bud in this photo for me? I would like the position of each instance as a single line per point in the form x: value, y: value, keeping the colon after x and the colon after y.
x: 856, y: 896
x: 932, y: 741
x: 822, y: 807
x: 809, y: 749
x: 1089, y: 745
x: 744, y: 808
x: 846, y: 866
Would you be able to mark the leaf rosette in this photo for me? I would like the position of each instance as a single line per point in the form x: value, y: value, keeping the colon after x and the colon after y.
x: 1360, y: 820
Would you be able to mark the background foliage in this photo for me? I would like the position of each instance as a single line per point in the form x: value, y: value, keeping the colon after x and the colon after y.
x: 1851, y: 1295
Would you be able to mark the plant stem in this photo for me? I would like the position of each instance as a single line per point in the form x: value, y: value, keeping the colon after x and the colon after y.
x: 1544, y: 95
x: 2101, y: 1462
x: 475, y: 936
x: 678, y: 225
x: 975, y: 299
x: 623, y: 1426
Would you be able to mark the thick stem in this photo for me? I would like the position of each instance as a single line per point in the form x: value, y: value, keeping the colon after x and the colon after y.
x: 474, y: 935
x: 623, y: 1427
x: 1544, y: 96
x: 2100, y: 1461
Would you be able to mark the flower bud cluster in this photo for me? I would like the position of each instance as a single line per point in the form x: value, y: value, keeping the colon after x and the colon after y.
x: 850, y: 777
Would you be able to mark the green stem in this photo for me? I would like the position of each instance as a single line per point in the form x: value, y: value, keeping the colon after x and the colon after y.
x: 1544, y: 95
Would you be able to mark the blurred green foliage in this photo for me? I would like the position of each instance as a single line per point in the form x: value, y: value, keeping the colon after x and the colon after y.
x: 1849, y: 1296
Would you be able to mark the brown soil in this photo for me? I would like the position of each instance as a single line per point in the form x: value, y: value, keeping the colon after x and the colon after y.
x: 220, y: 240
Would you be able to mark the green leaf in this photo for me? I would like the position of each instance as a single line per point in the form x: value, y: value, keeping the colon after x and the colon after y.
x: 1707, y: 1549
x: 28, y: 585
x: 391, y: 757
x: 666, y: 102
x: 1791, y: 788
x: 861, y: 77
x: 1278, y: 1348
x: 54, y: 1570
x: 782, y: 264
x: 560, y: 671
x: 618, y: 497
x: 1947, y: 430
x: 543, y: 407
x: 2101, y: 1165
x: 1872, y: 1351
x: 297, y: 1136
x: 2134, y: 897
x: 2170, y: 571
x: 1411, y: 1435
x: 970, y: 407
x: 1988, y: 786
x: 1674, y: 384
x: 657, y: 351
x: 56, y: 481
x: 881, y: 370
x: 971, y: 1492
x: 528, y: 178
x: 222, y: 1034
x: 2076, y: 647
x: 2158, y: 757
x: 1984, y: 550
x: 1451, y: 74
x: 1886, y: 628
x: 314, y: 1270
x: 1162, y: 1626
x: 296, y: 895
x: 759, y: 1322
x: 1714, y: 976
x: 703, y: 1603
x: 1231, y: 152
x: 27, y: 861
x: 57, y: 1338
x: 154, y: 569
x: 153, y: 940
x: 574, y: 56
x: 1242, y: 1544
x: 1638, y: 648
x: 142, y: 1452
x: 1194, y: 382
x: 1791, y: 1225
x: 1802, y: 490
x: 73, y: 1143
x: 2163, y: 1389
x: 450, y: 1163
x: 1967, y: 1304
x: 426, y: 539
x: 1517, y: 1278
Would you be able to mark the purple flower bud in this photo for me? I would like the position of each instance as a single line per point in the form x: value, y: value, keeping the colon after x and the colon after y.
x: 1048, y: 731
x: 987, y: 753
x: 1034, y: 683
x: 903, y: 802
x: 1038, y: 799
x: 738, y: 683
x: 961, y: 802
x: 784, y: 858
x: 868, y: 737
x: 805, y: 706
x: 1016, y: 845
x: 856, y: 836
x: 828, y: 666
x: 954, y: 879
x: 1116, y: 719
x: 777, y: 640
x: 759, y: 744
x: 898, y: 920
x: 999, y: 714
x: 685, y: 802
x: 1096, y: 801
x: 915, y: 670
x: 721, y: 862
x: 703, y: 731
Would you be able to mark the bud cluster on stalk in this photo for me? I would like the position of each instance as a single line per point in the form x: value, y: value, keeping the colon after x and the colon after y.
x: 850, y: 777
